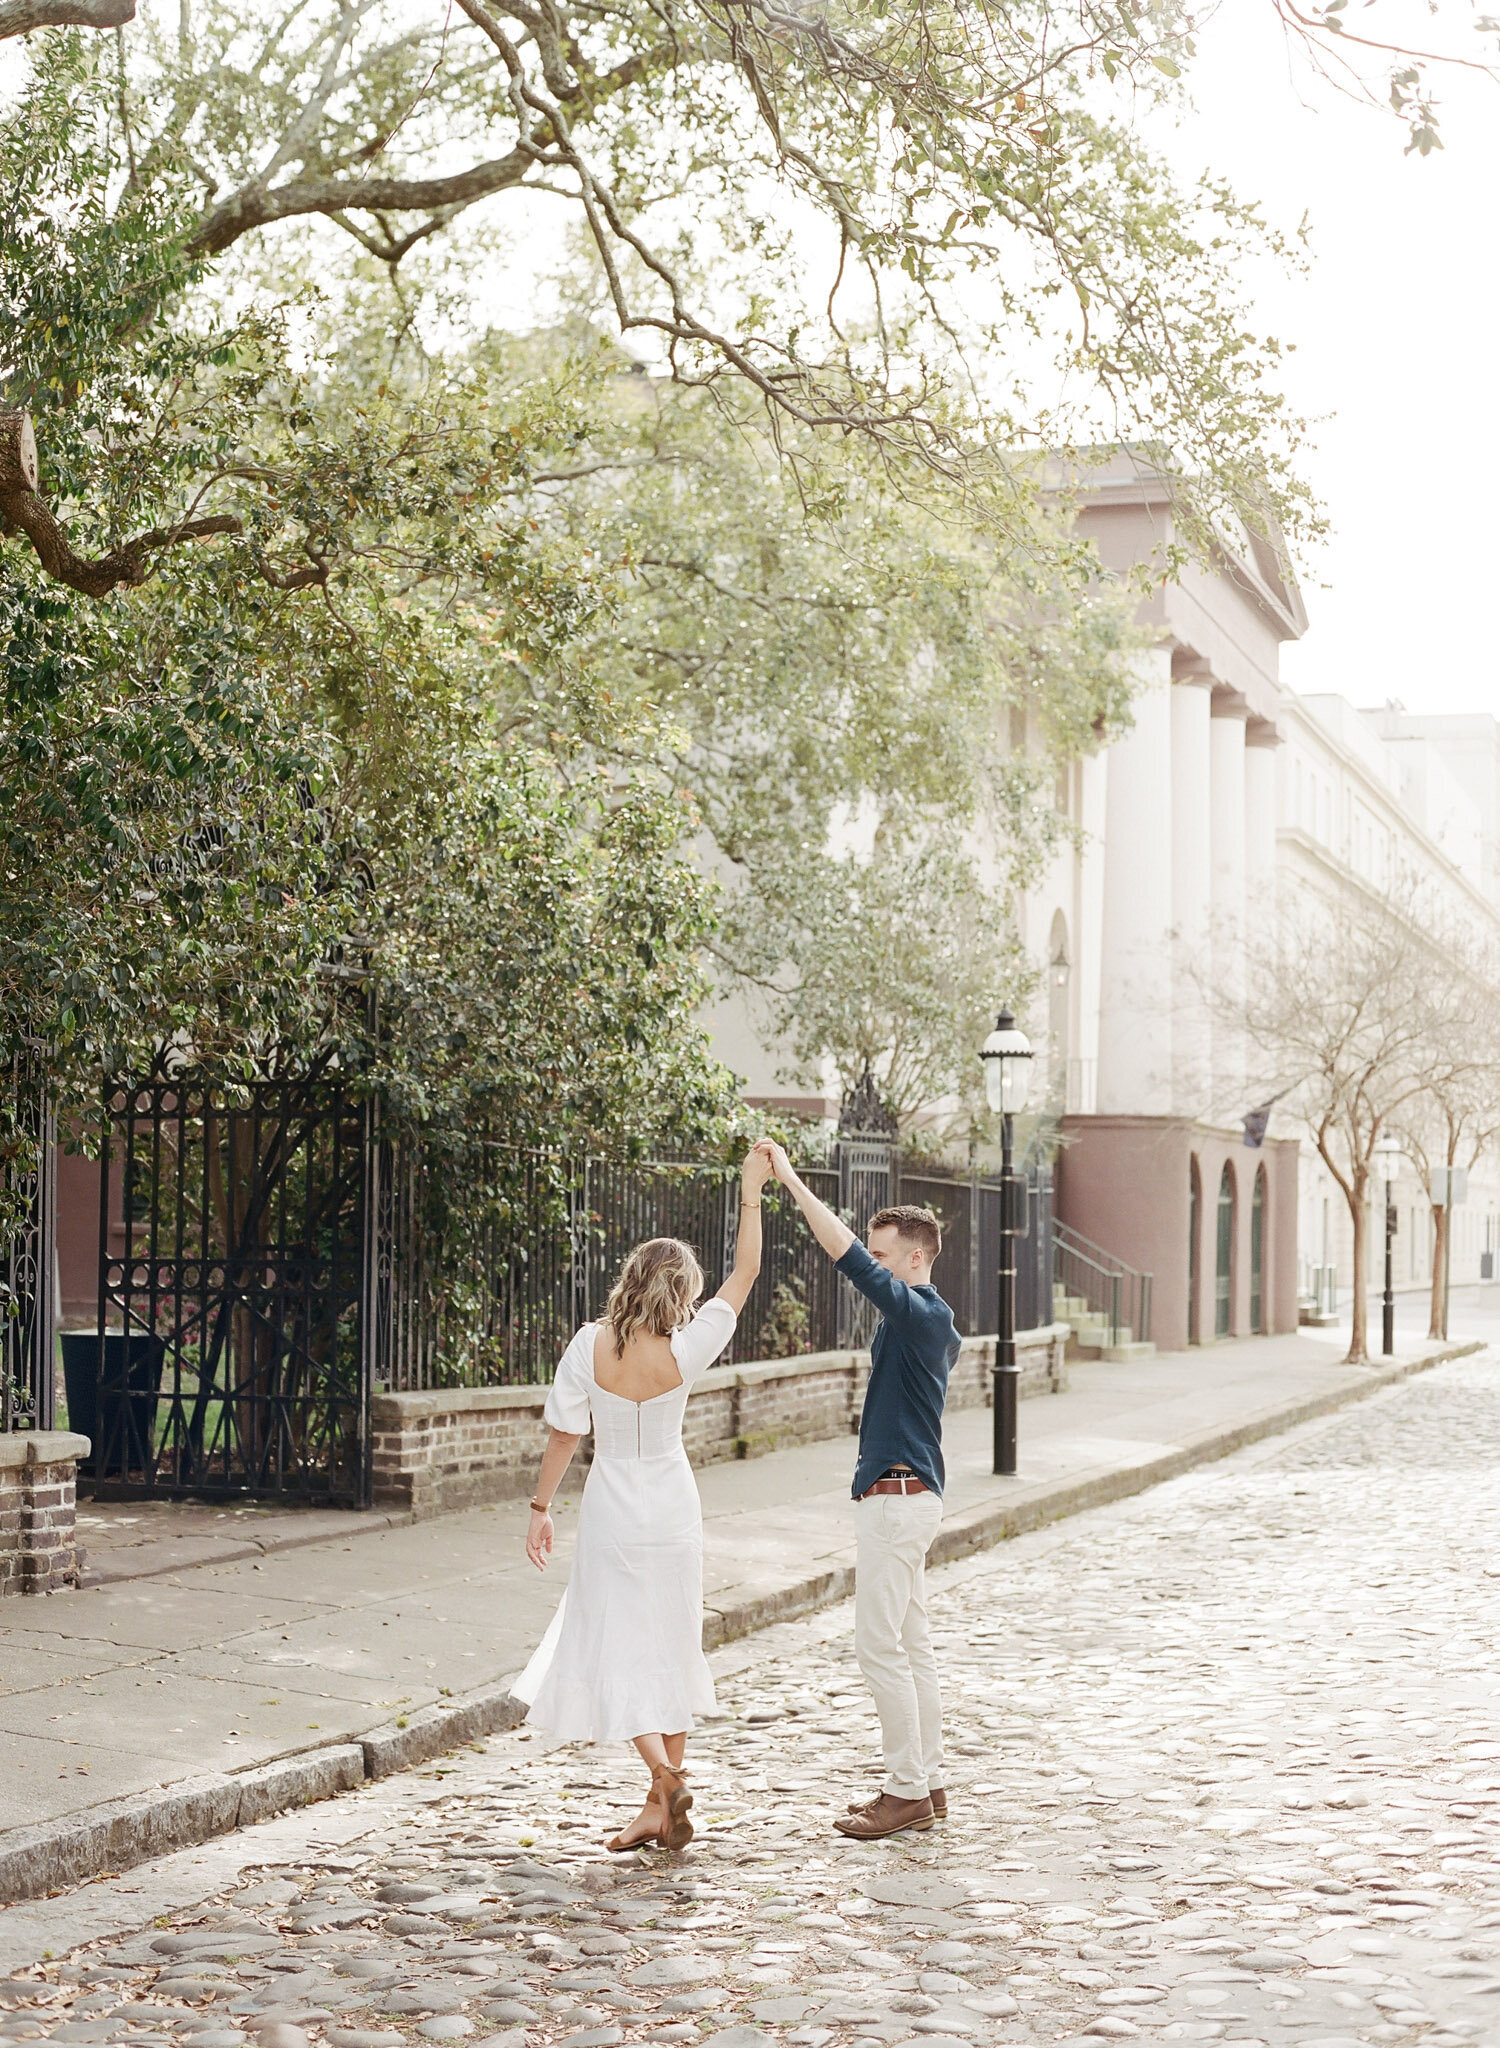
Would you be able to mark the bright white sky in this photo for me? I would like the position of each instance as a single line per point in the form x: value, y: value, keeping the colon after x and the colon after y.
x: 1397, y: 356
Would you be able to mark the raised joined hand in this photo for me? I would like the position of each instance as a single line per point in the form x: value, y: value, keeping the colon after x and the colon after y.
x: 756, y: 1170
x: 779, y: 1164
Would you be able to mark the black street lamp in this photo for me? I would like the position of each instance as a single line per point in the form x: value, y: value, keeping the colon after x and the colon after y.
x: 1388, y: 1152
x: 1007, y: 1083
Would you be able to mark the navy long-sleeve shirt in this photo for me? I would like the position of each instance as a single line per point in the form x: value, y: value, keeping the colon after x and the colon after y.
x: 912, y: 1354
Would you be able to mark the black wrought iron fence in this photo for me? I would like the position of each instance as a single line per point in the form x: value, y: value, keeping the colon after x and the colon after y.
x: 28, y: 1303
x: 495, y: 1304
x: 267, y: 1260
x: 969, y: 1211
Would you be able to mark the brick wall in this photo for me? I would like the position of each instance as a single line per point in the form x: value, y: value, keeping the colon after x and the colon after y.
x: 38, y: 1547
x: 434, y: 1452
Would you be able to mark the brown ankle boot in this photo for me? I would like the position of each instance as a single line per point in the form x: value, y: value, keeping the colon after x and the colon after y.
x: 936, y: 1794
x: 674, y: 1799
x: 887, y: 1816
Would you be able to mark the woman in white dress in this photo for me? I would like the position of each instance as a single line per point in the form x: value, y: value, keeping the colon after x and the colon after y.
x: 623, y: 1659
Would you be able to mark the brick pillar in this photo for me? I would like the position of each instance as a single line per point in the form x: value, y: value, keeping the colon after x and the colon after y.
x: 39, y: 1550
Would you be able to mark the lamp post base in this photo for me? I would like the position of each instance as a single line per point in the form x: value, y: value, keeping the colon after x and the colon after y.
x: 1007, y: 1400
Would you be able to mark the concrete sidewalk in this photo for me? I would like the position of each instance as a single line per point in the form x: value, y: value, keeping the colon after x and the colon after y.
x: 355, y: 1645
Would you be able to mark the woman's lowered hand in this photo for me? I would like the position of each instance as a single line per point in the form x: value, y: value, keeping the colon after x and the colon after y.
x: 539, y: 1539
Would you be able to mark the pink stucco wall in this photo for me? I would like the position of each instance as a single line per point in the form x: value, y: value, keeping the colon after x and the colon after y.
x: 1125, y: 1182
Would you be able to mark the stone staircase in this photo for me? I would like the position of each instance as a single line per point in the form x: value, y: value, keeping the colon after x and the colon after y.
x: 1091, y: 1332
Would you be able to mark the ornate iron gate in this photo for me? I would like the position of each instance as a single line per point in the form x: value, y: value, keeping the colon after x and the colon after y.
x: 240, y: 1277
x: 867, y: 1182
x: 28, y: 1292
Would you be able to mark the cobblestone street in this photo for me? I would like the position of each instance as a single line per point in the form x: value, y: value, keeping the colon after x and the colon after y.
x: 1225, y: 1763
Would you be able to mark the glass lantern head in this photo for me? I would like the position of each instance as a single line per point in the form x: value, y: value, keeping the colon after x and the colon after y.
x: 1007, y: 1066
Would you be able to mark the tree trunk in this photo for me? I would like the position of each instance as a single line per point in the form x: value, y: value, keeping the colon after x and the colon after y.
x: 1358, y: 1352
x: 20, y: 17
x: 1439, y: 1249
x: 22, y: 509
x: 18, y: 464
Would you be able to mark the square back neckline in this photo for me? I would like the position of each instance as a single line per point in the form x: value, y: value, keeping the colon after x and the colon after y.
x: 650, y: 1398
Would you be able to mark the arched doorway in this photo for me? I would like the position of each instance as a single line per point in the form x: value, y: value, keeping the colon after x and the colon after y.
x: 1258, y: 1254
x: 1224, y: 1263
x: 1195, y: 1231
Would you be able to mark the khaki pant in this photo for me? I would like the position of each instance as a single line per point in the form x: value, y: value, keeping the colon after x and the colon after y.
x: 893, y: 1533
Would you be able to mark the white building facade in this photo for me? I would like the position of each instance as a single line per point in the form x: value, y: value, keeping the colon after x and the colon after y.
x: 1368, y: 797
x: 1228, y: 793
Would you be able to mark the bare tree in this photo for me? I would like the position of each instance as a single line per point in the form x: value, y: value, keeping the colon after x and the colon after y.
x: 1455, y: 1116
x: 1340, y: 1022
x: 1384, y: 69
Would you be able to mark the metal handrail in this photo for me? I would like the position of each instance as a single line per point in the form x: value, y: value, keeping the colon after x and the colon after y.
x: 1109, y: 1284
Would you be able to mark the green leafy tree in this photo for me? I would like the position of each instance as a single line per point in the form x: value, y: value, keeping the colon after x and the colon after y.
x: 915, y: 227
x: 837, y: 674
x: 900, y: 968
x: 261, y: 804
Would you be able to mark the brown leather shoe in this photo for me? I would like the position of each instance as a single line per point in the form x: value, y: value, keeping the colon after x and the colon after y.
x: 886, y: 1816
x: 937, y: 1795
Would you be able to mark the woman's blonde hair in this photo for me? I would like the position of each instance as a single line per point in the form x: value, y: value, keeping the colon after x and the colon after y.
x: 656, y: 1290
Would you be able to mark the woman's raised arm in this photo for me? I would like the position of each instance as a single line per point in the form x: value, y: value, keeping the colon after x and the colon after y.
x: 754, y: 1174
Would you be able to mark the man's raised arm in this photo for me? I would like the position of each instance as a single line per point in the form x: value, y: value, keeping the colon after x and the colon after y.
x: 832, y: 1233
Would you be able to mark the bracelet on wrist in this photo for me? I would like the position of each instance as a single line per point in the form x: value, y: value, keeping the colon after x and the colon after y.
x: 749, y: 1205
x: 541, y: 1507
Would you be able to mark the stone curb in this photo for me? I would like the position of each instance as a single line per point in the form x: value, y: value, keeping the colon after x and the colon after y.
x: 55, y: 1854
x: 401, y: 1744
x: 298, y: 1781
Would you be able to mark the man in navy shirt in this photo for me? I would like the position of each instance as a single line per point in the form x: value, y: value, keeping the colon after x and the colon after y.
x: 898, y: 1495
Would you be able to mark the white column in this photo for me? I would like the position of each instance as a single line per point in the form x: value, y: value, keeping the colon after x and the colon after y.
x: 1192, y: 856
x: 1227, y: 796
x: 1088, y: 926
x: 1262, y: 764
x: 1135, y: 1020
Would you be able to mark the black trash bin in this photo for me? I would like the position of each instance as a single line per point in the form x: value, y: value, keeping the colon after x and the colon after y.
x: 117, y: 1412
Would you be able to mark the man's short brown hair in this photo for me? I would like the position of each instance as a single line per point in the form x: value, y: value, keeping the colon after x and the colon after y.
x: 918, y: 1226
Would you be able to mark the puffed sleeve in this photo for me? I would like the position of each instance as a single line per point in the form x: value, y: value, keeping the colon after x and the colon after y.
x: 698, y: 1343
x: 567, y: 1406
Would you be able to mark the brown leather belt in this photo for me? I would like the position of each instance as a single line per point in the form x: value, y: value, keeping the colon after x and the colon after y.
x: 907, y: 1484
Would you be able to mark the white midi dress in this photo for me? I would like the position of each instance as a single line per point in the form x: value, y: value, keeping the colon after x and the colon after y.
x: 624, y: 1654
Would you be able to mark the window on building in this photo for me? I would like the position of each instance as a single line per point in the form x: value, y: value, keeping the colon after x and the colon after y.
x: 1258, y: 1255
x: 1224, y: 1264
